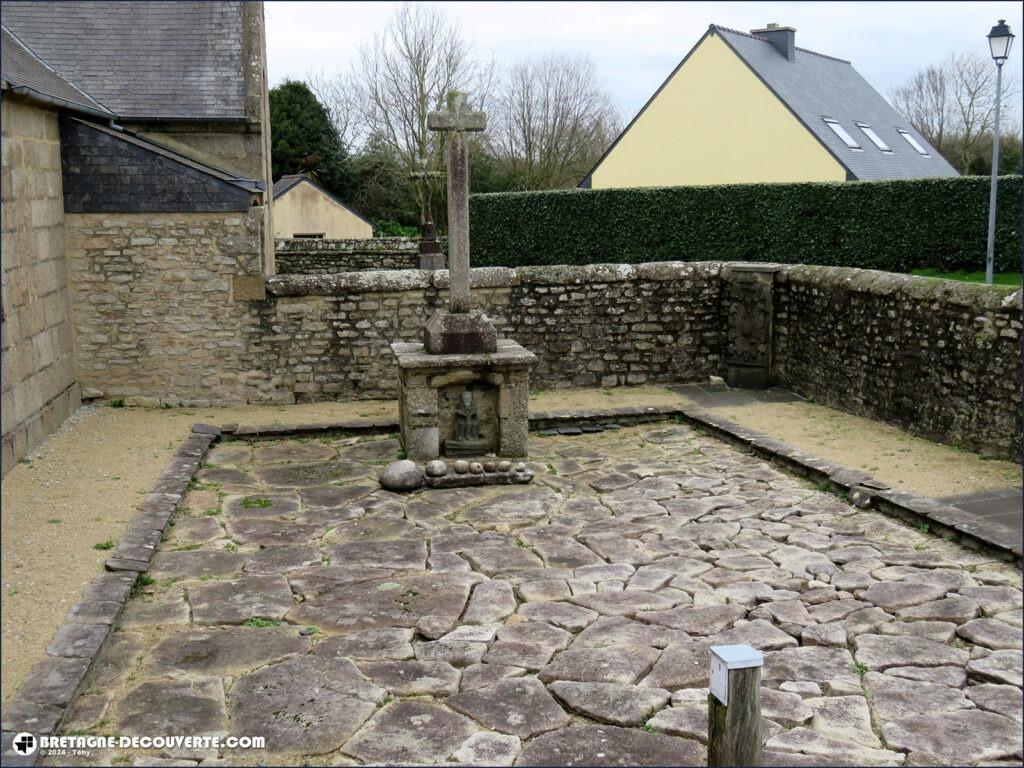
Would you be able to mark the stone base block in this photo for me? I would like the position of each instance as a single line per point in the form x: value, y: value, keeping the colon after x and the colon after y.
x: 461, y: 333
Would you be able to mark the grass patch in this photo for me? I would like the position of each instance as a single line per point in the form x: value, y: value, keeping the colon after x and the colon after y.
x: 103, y: 545
x: 118, y: 403
x: 142, y: 581
x: 187, y: 547
x: 999, y: 278
x: 860, y: 669
x: 54, y: 521
x: 256, y: 502
x: 257, y: 621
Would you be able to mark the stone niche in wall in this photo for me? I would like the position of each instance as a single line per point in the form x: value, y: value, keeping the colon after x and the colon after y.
x: 484, y: 391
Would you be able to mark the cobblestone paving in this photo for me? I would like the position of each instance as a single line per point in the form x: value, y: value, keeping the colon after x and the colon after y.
x: 562, y: 623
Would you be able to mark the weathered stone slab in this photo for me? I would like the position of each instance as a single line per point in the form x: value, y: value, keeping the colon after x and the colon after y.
x: 682, y: 665
x: 633, y: 603
x: 234, y: 602
x: 955, y: 609
x: 612, y: 703
x: 265, y: 505
x: 268, y: 532
x: 991, y: 633
x: 843, y: 718
x: 960, y: 738
x: 816, y: 663
x: 826, y: 751
x: 759, y: 633
x: 892, y: 595
x: 789, y: 709
x: 563, y: 615
x: 370, y: 644
x: 399, y: 554
x: 544, y: 589
x: 620, y: 631
x: 518, y: 706
x: 687, y: 720
x: 894, y: 697
x: 488, y: 749
x: 78, y: 640
x: 600, y: 665
x: 291, y: 452
x: 995, y: 600
x: 401, y: 601
x: 223, y: 652
x: 609, y: 745
x: 954, y: 677
x: 413, y: 678
x: 53, y: 680
x: 308, y: 705
x: 998, y: 667
x: 195, y: 564
x: 942, y: 631
x: 878, y: 652
x: 491, y: 601
x: 461, y: 653
x: 410, y: 732
x: 484, y: 675
x: 494, y: 560
x: 1004, y: 700
x: 695, y: 621
x: 173, y: 708
x: 281, y: 559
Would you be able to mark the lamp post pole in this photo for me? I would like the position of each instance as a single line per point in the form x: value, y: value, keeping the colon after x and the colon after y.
x: 991, y: 248
x: 1000, y: 39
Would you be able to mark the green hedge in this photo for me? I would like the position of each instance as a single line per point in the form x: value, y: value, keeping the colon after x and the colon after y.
x: 889, y: 225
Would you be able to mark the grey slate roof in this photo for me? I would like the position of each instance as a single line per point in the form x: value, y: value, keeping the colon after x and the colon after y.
x: 816, y: 86
x: 290, y: 180
x: 28, y: 74
x: 158, y: 59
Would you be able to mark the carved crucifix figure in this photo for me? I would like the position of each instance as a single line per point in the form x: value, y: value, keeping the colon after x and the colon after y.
x: 462, y: 329
x: 457, y: 121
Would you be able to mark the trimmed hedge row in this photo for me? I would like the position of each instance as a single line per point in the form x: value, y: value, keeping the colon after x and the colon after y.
x: 889, y: 225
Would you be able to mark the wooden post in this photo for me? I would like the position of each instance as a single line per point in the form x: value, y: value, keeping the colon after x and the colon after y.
x: 734, y: 706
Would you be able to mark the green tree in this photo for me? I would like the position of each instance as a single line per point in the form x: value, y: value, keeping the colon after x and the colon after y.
x: 305, y: 140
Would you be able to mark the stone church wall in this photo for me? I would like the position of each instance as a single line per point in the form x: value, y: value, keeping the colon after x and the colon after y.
x: 38, y: 381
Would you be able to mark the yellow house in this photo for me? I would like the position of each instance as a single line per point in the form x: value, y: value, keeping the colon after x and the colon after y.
x: 746, y: 108
x: 302, y: 208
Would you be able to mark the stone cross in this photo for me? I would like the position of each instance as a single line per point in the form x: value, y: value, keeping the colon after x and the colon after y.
x: 431, y: 256
x: 456, y: 121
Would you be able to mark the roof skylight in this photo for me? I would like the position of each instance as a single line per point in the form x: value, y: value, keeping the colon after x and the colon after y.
x: 913, y: 142
x: 842, y: 133
x: 875, y: 138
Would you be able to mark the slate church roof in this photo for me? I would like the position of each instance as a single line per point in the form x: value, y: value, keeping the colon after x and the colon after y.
x: 142, y: 60
x: 814, y: 86
x: 29, y: 75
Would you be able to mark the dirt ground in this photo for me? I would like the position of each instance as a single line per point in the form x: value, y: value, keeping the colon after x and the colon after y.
x: 80, y: 487
x: 907, y: 462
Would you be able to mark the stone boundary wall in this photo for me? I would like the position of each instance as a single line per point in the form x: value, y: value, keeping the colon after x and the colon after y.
x: 939, y: 358
x: 38, y: 382
x: 599, y: 325
x: 155, y: 326
x: 311, y: 256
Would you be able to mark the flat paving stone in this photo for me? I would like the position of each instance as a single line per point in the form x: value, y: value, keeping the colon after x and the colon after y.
x: 600, y: 665
x: 1002, y: 699
x: 281, y: 559
x: 959, y: 738
x: 224, y: 651
x: 195, y: 564
x: 520, y: 706
x: 410, y: 732
x: 609, y: 745
x: 879, y: 652
x: 173, y: 708
x: 620, y: 631
x: 564, y: 615
x: 400, y: 601
x: 413, y: 678
x: 370, y: 644
x: 991, y: 633
x: 630, y: 604
x: 681, y: 665
x: 818, y: 664
x: 612, y: 703
x: 405, y: 555
x: 237, y: 601
x: 894, y: 697
x: 488, y: 749
x: 696, y: 621
x: 998, y: 667
x: 308, y: 705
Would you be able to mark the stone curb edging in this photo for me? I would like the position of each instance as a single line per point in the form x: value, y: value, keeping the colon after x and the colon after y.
x: 42, y: 699
x: 946, y: 521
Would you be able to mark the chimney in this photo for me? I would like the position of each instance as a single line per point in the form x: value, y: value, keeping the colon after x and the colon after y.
x: 783, y: 38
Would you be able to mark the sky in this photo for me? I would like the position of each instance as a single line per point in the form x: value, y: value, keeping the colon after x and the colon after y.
x: 635, y: 45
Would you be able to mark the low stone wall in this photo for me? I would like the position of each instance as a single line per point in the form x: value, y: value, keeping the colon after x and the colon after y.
x: 939, y: 358
x: 599, y: 325
x: 311, y: 256
x: 157, y: 322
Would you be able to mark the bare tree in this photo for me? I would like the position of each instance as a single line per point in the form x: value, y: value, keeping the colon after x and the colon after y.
x: 336, y: 91
x: 552, y: 121
x: 405, y: 73
x: 952, y: 104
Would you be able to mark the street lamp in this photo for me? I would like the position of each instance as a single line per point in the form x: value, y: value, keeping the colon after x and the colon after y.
x: 999, y: 41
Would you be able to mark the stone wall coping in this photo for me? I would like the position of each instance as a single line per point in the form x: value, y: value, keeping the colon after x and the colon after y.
x: 975, y: 295
x: 509, y: 355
